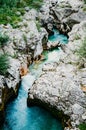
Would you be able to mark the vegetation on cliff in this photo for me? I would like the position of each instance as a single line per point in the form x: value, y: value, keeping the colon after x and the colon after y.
x: 11, y: 10
x: 85, y: 1
x: 4, y: 64
x: 3, y: 39
x: 82, y: 50
x: 4, y: 61
x: 82, y: 126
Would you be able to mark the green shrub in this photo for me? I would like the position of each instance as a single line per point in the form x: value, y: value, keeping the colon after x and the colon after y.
x: 9, y: 3
x: 8, y: 9
x: 35, y: 3
x: 3, y: 39
x: 82, y: 50
x: 4, y: 64
x: 85, y: 1
x: 38, y: 25
x: 76, y: 37
x: 8, y: 15
x: 82, y: 126
x: 24, y: 38
x: 84, y: 7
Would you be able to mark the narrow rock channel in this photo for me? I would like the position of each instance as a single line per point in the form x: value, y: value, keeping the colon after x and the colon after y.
x: 21, y: 117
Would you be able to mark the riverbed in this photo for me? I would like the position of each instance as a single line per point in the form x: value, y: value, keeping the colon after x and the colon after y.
x: 21, y: 117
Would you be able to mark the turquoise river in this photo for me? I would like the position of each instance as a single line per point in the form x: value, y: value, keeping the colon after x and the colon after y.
x: 21, y: 117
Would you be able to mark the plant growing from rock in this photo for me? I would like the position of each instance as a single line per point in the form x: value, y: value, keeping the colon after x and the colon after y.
x: 34, y: 3
x: 76, y: 37
x: 84, y: 7
x: 3, y: 39
x: 85, y: 1
x: 25, y: 38
x: 4, y: 64
x: 38, y: 26
x: 82, y: 126
x: 82, y: 50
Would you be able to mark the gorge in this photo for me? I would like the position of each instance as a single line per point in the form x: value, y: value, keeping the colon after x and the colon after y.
x: 60, y: 69
x: 18, y: 115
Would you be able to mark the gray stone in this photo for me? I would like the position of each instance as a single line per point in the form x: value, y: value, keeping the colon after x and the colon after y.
x: 49, y: 67
x: 77, y: 109
x: 27, y: 8
x: 60, y: 83
x: 84, y: 116
x: 18, y: 13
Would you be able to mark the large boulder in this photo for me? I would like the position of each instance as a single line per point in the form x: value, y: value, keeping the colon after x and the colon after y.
x: 40, y: 42
x: 57, y: 87
x: 75, y: 18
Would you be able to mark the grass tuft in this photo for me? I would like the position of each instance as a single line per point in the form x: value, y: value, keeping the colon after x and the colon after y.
x: 3, y: 39
x: 82, y: 126
x: 82, y: 50
x: 4, y: 64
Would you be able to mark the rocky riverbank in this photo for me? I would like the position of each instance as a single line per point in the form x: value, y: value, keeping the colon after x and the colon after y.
x: 62, y: 86
x: 26, y: 43
x: 9, y: 86
x: 62, y: 14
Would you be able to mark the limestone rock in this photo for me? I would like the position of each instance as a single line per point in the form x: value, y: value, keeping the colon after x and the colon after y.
x: 59, y: 86
x: 77, y: 109
x: 49, y: 67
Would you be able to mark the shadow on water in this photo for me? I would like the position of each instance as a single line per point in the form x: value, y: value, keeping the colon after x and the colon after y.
x: 21, y: 117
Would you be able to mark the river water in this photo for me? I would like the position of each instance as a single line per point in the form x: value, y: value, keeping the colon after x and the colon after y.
x: 21, y: 117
